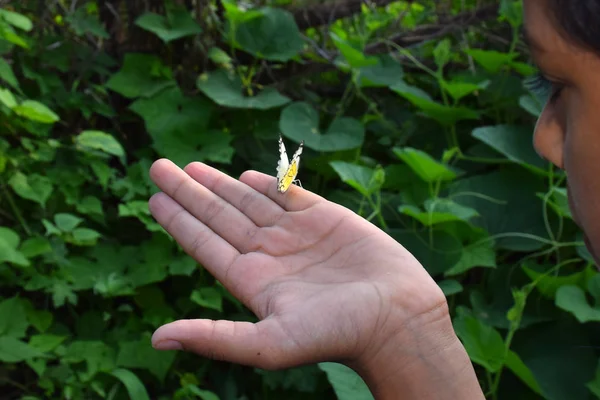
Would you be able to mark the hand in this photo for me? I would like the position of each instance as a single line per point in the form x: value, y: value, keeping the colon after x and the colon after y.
x: 325, y: 283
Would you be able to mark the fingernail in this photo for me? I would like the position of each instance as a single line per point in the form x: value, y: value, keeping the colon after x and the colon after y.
x: 168, y: 345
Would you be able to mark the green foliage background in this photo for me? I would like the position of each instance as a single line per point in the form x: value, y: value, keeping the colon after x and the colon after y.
x: 414, y: 114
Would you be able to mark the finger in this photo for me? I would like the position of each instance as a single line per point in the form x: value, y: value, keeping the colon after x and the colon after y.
x: 295, y: 199
x: 262, y: 345
x: 196, y: 239
x: 219, y: 215
x: 259, y: 208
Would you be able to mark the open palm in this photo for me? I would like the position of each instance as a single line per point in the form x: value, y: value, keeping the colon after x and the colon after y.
x: 325, y: 283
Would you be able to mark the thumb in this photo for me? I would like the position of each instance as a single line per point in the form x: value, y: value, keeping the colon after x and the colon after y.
x: 262, y: 345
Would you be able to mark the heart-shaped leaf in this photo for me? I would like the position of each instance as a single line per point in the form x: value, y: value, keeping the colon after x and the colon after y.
x: 142, y: 75
x: 299, y: 121
x: 176, y: 24
x: 271, y: 34
x: 34, y: 187
x: 227, y: 90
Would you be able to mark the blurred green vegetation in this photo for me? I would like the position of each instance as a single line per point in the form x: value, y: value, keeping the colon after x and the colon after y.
x: 418, y: 115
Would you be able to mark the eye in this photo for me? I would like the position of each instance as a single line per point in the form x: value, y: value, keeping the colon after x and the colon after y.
x: 542, y: 88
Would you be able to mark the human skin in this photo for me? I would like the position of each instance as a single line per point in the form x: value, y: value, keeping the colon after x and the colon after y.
x: 326, y: 284
x: 568, y: 131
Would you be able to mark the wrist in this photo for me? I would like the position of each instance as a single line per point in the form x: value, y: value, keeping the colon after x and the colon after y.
x: 425, y: 360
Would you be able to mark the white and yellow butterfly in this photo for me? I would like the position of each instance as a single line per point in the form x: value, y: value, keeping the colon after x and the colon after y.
x: 287, y: 169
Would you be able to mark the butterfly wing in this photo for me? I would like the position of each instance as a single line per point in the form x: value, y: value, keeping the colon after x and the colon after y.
x: 283, y: 163
x: 286, y: 181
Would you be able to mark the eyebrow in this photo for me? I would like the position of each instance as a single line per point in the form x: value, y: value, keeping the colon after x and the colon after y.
x: 531, y: 41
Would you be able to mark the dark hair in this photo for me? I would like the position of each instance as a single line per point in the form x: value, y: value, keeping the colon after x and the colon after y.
x: 579, y: 20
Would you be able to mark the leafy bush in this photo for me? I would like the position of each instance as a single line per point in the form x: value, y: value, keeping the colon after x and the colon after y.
x: 423, y: 127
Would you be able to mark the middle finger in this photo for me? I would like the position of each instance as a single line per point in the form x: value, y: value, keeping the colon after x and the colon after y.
x: 216, y: 213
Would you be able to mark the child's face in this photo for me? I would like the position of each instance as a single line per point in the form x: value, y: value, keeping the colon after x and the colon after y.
x: 568, y: 131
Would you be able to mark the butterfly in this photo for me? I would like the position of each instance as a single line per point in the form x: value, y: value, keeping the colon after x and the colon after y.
x: 287, y: 170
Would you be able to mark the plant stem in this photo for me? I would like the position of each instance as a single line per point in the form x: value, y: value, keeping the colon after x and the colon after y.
x: 14, y: 207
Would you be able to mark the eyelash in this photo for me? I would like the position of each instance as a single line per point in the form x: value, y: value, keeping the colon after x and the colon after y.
x: 542, y: 87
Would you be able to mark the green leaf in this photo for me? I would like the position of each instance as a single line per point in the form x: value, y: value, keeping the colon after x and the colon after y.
x: 227, y: 90
x: 179, y: 128
x: 299, y: 121
x: 438, y: 211
x: 387, y: 72
x: 549, y: 284
x: 50, y: 228
x: 346, y: 383
x: 514, y: 142
x: 512, y: 11
x: 558, y: 200
x: 17, y: 20
x: 594, y: 385
x: 138, y: 354
x: 90, y: 205
x: 135, y: 387
x: 424, y: 165
x: 572, y: 299
x: 219, y: 57
x: 506, y: 201
x: 531, y: 105
x: 139, y: 209
x: 491, y: 60
x: 97, y: 355
x: 442, y: 53
x: 46, y: 343
x: 365, y: 180
x: 85, y: 237
x: 459, y: 89
x: 271, y: 34
x: 67, y: 222
x: 8, y: 34
x: 142, y: 75
x: 208, y: 297
x: 522, y: 371
x: 450, y: 287
x: 83, y: 22
x: 482, y: 342
x: 36, y: 111
x: 183, y: 266
x: 62, y: 293
x: 13, y: 350
x: 176, y: 24
x: 7, y: 75
x: 202, y: 394
x: 40, y: 319
x: 7, y: 98
x: 9, y: 241
x: 479, y: 254
x: 102, y: 141
x: 13, y: 321
x: 445, y: 115
x: 33, y: 187
x: 355, y: 57
x: 563, y: 372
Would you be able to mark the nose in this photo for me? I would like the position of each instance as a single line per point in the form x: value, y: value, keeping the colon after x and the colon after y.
x: 549, y: 137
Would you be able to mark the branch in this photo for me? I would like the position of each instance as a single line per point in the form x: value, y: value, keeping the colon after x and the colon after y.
x: 425, y: 33
x: 325, y: 14
x: 419, y: 35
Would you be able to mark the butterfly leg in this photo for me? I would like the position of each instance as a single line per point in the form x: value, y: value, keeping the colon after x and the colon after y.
x: 297, y: 182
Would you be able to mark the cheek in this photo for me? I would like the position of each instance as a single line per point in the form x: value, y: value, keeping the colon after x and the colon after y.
x: 582, y: 165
